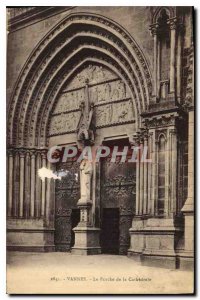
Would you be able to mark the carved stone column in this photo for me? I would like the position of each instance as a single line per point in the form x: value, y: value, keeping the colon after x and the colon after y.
x: 154, y: 32
x: 32, y: 208
x: 10, y: 182
x: 137, y: 144
x: 138, y: 223
x: 38, y: 187
x: 179, y: 61
x: 50, y: 196
x: 21, y: 199
x: 172, y: 24
x: 27, y: 198
x: 145, y: 167
x: 150, y: 210
x: 141, y: 176
x: 43, y: 155
x: 171, y: 207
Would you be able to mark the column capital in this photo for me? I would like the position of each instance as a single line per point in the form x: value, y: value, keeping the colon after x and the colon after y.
x: 10, y: 152
x: 22, y: 153
x: 33, y: 153
x: 135, y: 139
x: 172, y: 23
x: 154, y: 28
x: 43, y: 153
x: 173, y: 131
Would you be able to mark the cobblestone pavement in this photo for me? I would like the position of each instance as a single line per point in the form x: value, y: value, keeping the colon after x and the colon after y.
x: 58, y: 272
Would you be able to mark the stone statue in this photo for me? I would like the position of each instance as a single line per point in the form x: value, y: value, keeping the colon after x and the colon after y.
x: 85, y: 127
x: 86, y: 170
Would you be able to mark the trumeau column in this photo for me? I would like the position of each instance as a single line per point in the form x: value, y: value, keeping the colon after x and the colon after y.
x: 86, y: 234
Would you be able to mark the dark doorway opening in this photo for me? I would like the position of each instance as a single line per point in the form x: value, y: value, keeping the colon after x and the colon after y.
x: 110, y: 231
x: 75, y: 219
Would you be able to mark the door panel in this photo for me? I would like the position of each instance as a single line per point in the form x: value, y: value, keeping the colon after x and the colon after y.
x: 67, y: 194
x: 110, y: 231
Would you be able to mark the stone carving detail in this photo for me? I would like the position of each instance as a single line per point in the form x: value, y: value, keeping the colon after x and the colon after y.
x: 117, y: 113
x: 64, y: 123
x: 162, y: 120
x: 93, y: 73
x: 188, y: 85
x: 69, y: 101
x: 114, y: 90
x: 66, y: 115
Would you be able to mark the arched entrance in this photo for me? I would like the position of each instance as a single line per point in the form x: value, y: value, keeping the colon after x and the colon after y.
x: 118, y: 200
x: 45, y: 111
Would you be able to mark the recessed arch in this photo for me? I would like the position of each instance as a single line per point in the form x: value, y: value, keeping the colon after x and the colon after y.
x: 159, y: 9
x: 43, y: 73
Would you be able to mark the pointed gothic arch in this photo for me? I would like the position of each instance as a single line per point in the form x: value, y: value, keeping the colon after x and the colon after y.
x: 76, y: 39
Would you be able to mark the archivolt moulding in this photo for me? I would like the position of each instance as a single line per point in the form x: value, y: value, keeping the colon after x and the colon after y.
x: 87, y: 36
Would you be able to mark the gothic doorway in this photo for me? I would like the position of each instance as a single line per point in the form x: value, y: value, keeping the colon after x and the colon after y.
x: 118, y: 195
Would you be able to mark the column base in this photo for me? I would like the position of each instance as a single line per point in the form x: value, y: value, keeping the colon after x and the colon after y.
x: 137, y: 236
x: 159, y: 261
x: 186, y: 260
x: 29, y: 236
x: 86, y: 241
x: 42, y: 248
x: 153, y: 241
x: 134, y: 255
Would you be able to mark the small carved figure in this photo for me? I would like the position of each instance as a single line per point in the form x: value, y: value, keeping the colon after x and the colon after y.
x: 86, y: 170
x: 107, y: 91
x: 122, y: 90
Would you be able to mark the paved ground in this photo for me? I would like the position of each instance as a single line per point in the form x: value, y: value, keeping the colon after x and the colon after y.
x: 58, y: 272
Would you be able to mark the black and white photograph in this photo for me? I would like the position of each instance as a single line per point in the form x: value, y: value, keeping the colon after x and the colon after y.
x: 100, y: 144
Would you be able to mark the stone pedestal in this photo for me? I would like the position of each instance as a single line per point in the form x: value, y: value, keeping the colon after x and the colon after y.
x: 136, y: 238
x: 29, y: 236
x: 86, y: 241
x: 186, y: 257
x: 86, y: 236
x: 160, y: 236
